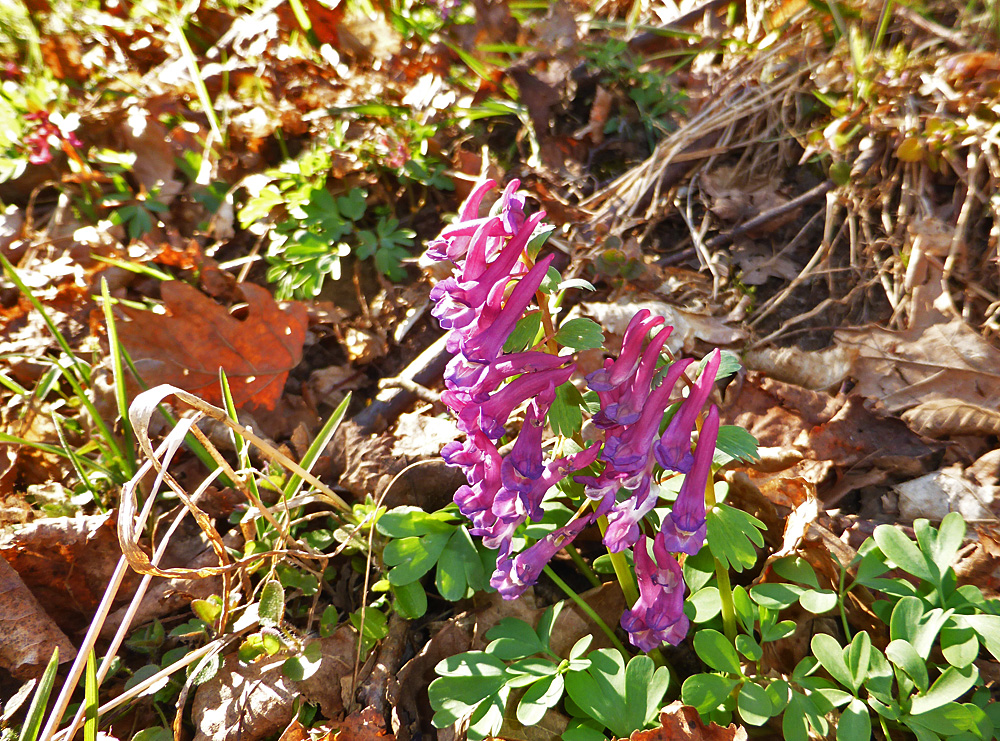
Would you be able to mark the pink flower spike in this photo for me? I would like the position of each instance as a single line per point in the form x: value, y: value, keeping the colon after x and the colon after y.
x: 684, y: 529
x: 673, y: 450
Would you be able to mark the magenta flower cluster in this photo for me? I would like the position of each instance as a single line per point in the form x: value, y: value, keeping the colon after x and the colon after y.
x: 492, y: 286
x: 46, y: 134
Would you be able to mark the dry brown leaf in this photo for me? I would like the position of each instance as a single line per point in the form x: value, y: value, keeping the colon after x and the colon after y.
x: 949, y: 490
x: 188, y: 347
x: 679, y: 722
x: 830, y: 433
x: 246, y: 701
x: 817, y: 370
x: 943, y: 417
x: 27, y: 633
x: 67, y: 564
x: 363, y: 725
x: 942, y: 361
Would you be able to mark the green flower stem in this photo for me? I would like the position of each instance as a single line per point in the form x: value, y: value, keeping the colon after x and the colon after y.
x: 722, y: 575
x: 584, y: 567
x: 622, y: 570
x: 588, y: 611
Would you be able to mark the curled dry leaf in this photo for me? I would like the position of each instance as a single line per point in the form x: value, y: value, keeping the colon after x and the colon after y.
x: 187, y: 347
x: 943, y: 417
x: 682, y: 722
x: 832, y: 434
x: 27, y: 633
x: 256, y: 700
x: 817, y: 370
x: 942, y: 361
x: 949, y: 490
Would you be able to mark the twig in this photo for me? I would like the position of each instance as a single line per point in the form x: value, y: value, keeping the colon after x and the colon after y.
x: 808, y: 197
x: 390, y: 403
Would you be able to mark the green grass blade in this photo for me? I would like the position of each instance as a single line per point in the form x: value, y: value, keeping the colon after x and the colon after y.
x: 241, y: 445
x: 116, y: 360
x: 318, y: 446
x: 33, y: 723
x: 81, y: 369
x: 90, y: 699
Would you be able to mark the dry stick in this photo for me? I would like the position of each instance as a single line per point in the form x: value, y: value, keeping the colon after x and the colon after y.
x: 821, y: 252
x: 89, y: 640
x: 126, y: 623
x: 389, y: 404
x: 809, y: 196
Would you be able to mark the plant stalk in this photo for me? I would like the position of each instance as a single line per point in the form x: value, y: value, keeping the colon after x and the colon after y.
x: 722, y: 575
x: 587, y: 610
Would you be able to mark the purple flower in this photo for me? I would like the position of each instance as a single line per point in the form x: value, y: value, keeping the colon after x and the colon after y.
x: 462, y: 373
x: 625, y: 516
x: 623, y: 405
x: 491, y: 415
x: 515, y: 574
x: 673, y: 451
x: 487, y: 342
x: 618, y: 371
x: 630, y: 451
x: 454, y: 240
x: 684, y: 528
x: 658, y: 614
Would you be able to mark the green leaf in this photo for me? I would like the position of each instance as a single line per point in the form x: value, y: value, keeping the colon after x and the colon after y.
x: 580, y: 334
x: 40, y: 700
x: 706, y: 692
x: 512, y: 638
x: 353, y: 204
x: 374, y: 628
x: 747, y: 646
x: 775, y: 595
x: 737, y: 443
x: 467, y: 680
x: 855, y: 722
x: 746, y: 611
x: 951, y: 685
x: 272, y: 603
x: 411, y: 558
x: 547, y: 621
x: 303, y: 666
x: 156, y: 733
x: 565, y: 415
x: 902, y: 551
x: 987, y: 627
x: 948, y: 720
x: 796, y: 569
x: 405, y: 522
x: 411, y: 600
x: 524, y: 333
x: 541, y: 696
x: 754, y: 704
x: 600, y: 691
x: 949, y: 539
x: 818, y: 601
x: 458, y: 567
x: 644, y: 689
x: 901, y: 653
x: 831, y: 656
x: 960, y: 646
x: 731, y: 536
x: 858, y: 658
x: 706, y: 604
x: 715, y: 650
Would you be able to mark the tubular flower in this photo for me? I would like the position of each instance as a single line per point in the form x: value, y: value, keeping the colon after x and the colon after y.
x: 658, y: 614
x: 515, y: 574
x: 479, y: 308
x: 684, y: 528
x: 673, y: 451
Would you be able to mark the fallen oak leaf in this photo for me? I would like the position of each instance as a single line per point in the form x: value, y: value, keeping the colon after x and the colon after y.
x: 187, y: 347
